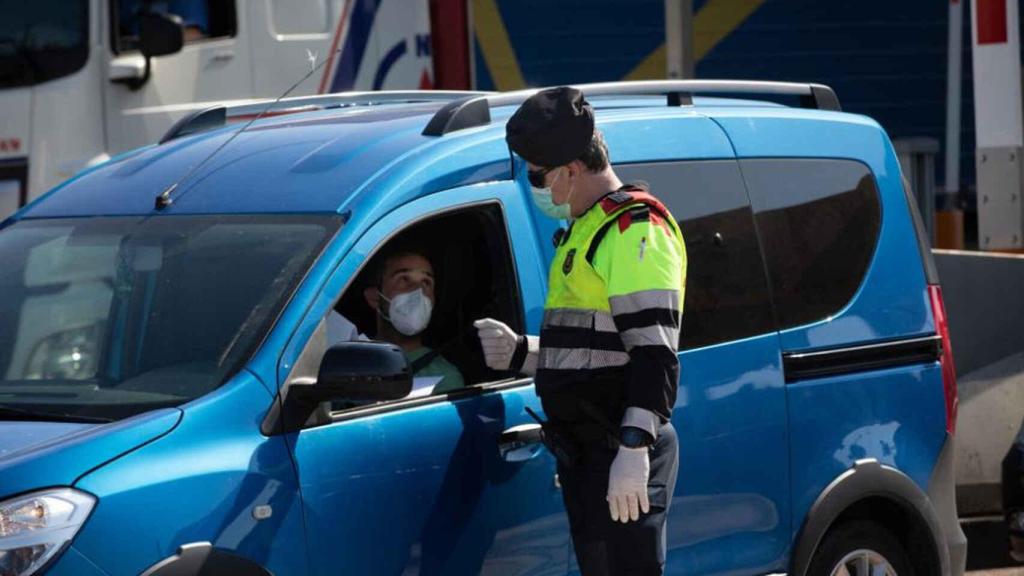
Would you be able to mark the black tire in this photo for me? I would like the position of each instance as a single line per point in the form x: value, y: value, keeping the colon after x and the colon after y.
x: 849, y: 537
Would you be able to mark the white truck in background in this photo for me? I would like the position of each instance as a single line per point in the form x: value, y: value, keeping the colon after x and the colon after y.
x: 75, y: 89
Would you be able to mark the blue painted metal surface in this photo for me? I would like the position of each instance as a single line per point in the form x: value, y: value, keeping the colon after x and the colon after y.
x: 296, y: 163
x: 19, y: 436
x: 200, y: 483
x: 70, y: 452
x: 731, y: 511
x: 427, y: 484
x: 895, y: 416
x: 424, y: 490
x: 424, y: 487
x: 74, y: 563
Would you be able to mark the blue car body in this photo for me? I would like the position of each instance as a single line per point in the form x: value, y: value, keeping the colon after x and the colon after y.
x: 769, y: 459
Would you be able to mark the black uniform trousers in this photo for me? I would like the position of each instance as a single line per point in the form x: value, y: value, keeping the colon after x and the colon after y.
x: 608, y: 548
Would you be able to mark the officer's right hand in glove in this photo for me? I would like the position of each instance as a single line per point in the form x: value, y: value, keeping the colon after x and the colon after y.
x: 627, y: 484
x: 498, y: 342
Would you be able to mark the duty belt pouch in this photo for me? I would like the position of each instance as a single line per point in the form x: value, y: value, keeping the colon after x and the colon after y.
x: 559, y: 441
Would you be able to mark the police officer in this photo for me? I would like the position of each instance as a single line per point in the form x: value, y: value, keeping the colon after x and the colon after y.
x: 605, y: 363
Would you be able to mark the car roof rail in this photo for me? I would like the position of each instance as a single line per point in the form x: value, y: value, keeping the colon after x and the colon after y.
x: 475, y: 111
x: 215, y: 116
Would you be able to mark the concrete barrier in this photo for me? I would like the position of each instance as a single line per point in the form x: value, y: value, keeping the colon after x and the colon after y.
x: 984, y: 297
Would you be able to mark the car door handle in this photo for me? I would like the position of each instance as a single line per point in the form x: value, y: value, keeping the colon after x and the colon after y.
x: 222, y: 56
x: 520, y: 443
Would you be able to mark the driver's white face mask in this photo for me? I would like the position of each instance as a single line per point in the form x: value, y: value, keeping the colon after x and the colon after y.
x: 409, y: 312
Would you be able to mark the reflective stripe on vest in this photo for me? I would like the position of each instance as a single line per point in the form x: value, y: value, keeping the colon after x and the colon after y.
x: 578, y: 332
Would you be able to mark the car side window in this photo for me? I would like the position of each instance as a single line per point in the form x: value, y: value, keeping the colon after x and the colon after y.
x: 819, y: 222
x: 202, y: 19
x: 727, y: 295
x: 462, y: 259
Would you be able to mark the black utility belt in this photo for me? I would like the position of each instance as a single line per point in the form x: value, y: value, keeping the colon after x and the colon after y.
x: 589, y: 433
x: 566, y: 441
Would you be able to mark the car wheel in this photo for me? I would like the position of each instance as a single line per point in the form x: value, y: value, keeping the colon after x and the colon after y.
x: 860, y: 548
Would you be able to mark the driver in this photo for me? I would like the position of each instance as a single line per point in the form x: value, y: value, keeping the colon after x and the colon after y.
x: 402, y: 296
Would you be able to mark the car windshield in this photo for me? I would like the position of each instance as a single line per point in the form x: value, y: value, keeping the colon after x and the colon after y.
x: 42, y: 40
x: 104, y: 318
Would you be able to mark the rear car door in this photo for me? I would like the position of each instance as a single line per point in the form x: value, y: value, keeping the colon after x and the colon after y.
x: 730, y: 513
x: 423, y: 485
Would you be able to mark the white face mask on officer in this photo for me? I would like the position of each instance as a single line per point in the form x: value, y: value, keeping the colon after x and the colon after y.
x: 409, y: 312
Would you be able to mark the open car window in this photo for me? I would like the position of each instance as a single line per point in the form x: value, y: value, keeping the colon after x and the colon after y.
x: 474, y: 277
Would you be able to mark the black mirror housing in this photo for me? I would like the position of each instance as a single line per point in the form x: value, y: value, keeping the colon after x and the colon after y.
x: 360, y: 371
x: 364, y: 371
x: 160, y: 34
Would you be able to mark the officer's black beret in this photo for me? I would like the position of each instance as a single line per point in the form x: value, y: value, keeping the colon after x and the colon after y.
x: 552, y: 128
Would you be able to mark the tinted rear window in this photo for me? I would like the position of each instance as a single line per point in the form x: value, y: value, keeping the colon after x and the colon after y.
x: 727, y: 295
x: 818, y: 221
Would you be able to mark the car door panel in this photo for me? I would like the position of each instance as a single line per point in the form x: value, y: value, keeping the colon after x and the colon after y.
x: 424, y: 491
x: 420, y: 487
x: 731, y: 508
x: 730, y: 512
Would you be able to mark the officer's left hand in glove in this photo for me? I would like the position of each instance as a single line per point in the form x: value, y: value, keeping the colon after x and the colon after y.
x: 627, y: 484
x: 498, y: 342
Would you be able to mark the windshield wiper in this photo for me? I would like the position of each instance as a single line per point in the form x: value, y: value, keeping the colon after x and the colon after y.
x: 9, y: 413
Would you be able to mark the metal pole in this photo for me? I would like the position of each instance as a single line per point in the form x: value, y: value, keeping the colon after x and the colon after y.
x: 999, y: 123
x: 689, y: 65
x: 953, y: 91
x: 679, y: 38
x: 470, y: 42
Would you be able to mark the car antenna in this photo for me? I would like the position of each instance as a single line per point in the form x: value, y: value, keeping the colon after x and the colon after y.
x: 164, y: 199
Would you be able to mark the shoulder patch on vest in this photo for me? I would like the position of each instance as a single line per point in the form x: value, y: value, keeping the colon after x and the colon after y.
x: 613, y: 201
x: 639, y: 213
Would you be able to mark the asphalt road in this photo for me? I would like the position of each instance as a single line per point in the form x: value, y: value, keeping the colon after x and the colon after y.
x: 987, y: 553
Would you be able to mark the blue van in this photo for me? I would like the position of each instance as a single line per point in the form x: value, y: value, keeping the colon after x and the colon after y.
x: 172, y: 402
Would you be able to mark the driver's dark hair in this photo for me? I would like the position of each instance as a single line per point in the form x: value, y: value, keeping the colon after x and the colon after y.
x: 380, y: 260
x: 595, y: 156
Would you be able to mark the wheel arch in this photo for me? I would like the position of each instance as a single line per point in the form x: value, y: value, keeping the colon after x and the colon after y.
x: 202, y: 559
x: 870, y: 490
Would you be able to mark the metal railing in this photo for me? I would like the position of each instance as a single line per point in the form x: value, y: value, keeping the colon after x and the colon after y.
x: 475, y: 110
x: 217, y: 115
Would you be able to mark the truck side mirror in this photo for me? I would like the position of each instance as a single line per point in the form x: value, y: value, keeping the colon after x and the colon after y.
x: 160, y: 34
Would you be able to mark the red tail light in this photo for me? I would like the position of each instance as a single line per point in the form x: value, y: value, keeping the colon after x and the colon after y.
x: 948, y: 370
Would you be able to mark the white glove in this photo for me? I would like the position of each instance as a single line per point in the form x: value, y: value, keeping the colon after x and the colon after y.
x: 627, y: 484
x: 498, y: 341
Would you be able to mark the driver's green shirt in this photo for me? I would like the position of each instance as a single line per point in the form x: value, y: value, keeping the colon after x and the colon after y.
x: 451, y: 379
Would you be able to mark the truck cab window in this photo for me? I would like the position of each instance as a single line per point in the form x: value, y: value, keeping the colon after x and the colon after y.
x: 42, y: 40
x: 202, y: 19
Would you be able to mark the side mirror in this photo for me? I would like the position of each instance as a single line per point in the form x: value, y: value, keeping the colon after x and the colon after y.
x: 360, y: 371
x: 363, y: 371
x: 160, y: 34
